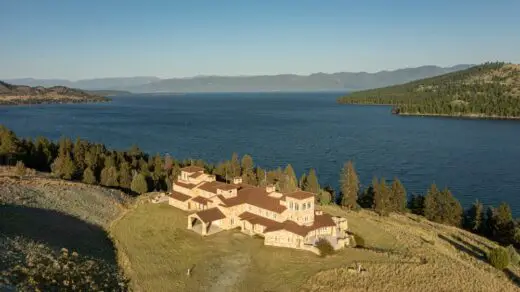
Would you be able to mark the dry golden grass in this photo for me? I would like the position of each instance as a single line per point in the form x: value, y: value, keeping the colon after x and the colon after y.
x: 440, y: 258
x: 156, y: 250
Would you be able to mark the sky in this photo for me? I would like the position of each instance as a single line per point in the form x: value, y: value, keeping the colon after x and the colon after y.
x: 77, y: 39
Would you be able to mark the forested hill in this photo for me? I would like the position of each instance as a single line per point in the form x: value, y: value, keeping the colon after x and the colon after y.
x: 19, y: 94
x: 490, y: 90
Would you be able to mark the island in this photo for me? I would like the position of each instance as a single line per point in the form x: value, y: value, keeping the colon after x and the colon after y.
x: 19, y: 94
x: 490, y: 90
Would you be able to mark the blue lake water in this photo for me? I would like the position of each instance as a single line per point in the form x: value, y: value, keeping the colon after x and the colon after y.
x: 475, y: 158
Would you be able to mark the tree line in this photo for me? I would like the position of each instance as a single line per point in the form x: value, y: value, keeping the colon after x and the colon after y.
x: 489, y: 89
x: 436, y: 205
x: 136, y: 172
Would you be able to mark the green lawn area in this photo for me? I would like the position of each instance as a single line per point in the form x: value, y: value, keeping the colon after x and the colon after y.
x: 159, y: 250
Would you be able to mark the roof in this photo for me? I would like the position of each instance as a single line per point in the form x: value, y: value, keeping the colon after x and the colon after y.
x: 178, y: 196
x: 255, y: 219
x: 210, y: 215
x: 201, y: 200
x: 192, y: 168
x: 320, y: 221
x: 214, y: 185
x: 257, y: 197
x: 196, y: 174
x: 184, y: 185
x: 300, y: 195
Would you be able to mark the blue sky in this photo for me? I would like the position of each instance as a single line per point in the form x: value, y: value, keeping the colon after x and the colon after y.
x: 77, y: 39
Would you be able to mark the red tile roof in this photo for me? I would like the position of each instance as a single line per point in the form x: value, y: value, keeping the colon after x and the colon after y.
x: 201, y: 200
x: 255, y: 219
x: 257, y: 197
x: 184, y: 185
x: 178, y: 196
x: 192, y: 168
x: 214, y: 185
x: 196, y: 174
x: 320, y: 221
x: 210, y: 215
x: 300, y: 195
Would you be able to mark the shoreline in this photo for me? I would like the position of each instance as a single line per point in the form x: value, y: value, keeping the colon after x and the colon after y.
x: 460, y: 116
x: 12, y: 102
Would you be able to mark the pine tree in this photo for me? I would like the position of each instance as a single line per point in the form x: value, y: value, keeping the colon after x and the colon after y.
x: 63, y: 166
x: 349, y: 183
x: 89, y: 177
x: 501, y: 224
x: 289, y: 183
x: 366, y: 199
x: 416, y: 204
x: 381, y: 197
x: 139, y: 184
x: 398, y: 196
x: 474, y: 217
x: 20, y: 169
x: 302, y: 182
x: 109, y: 176
x: 248, y: 172
x: 311, y: 182
x: 125, y: 175
x: 442, y: 207
x: 235, y: 166
x: 9, y: 146
x: 261, y: 177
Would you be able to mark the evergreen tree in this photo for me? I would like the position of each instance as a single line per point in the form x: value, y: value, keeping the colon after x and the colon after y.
x: 381, y: 197
x: 79, y: 153
x: 324, y: 197
x: 442, y: 207
x: 234, y: 166
x: 248, y: 172
x: 501, y: 224
x: 349, y: 183
x: 109, y: 176
x: 302, y: 182
x: 9, y: 146
x: 366, y: 200
x: 125, y: 175
x: 311, y: 182
x: 139, y: 184
x: 89, y: 177
x: 64, y: 167
x: 20, y: 169
x: 261, y: 177
x: 398, y: 196
x: 474, y: 217
x: 288, y: 182
x: 416, y: 204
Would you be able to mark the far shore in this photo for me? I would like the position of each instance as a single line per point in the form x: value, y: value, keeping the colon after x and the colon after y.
x: 462, y: 116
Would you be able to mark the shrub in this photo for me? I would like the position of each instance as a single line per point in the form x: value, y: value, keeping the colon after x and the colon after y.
x: 358, y: 240
x: 499, y: 258
x: 20, y: 169
x: 324, y: 247
x: 514, y: 258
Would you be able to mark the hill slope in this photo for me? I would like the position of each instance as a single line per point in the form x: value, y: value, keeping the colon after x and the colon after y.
x: 341, y: 81
x: 45, y: 219
x: 402, y: 253
x: 488, y: 90
x: 20, y: 94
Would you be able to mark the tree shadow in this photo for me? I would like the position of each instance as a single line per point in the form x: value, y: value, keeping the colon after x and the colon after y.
x: 57, y: 230
x: 466, y: 247
x: 513, y: 277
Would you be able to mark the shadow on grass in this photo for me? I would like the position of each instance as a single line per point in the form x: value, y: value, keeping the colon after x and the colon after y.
x: 57, y: 230
x: 466, y: 247
x: 513, y: 277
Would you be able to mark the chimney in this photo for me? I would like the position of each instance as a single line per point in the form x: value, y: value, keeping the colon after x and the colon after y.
x: 237, y: 180
x: 270, y: 189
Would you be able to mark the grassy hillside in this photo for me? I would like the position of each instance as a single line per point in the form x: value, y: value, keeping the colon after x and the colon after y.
x: 488, y: 90
x: 46, y: 221
x: 19, y: 94
x: 403, y: 253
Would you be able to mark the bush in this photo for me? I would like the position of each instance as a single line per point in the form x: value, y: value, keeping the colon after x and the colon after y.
x: 514, y: 258
x: 499, y: 258
x: 358, y: 240
x: 324, y: 247
x: 20, y: 169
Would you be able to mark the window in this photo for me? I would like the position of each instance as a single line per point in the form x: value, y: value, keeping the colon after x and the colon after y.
x: 309, y: 205
x: 274, y: 215
x: 303, y: 206
x: 296, y: 207
x: 290, y: 205
x: 232, y: 221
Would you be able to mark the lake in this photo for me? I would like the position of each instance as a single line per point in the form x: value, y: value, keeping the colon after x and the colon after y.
x: 474, y: 158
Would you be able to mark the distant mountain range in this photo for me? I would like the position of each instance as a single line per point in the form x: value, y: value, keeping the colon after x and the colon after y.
x: 342, y: 81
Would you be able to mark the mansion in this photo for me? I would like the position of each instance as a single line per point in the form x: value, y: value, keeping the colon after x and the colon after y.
x: 287, y: 220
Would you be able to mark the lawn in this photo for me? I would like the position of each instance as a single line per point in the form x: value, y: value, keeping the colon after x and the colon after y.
x: 158, y: 249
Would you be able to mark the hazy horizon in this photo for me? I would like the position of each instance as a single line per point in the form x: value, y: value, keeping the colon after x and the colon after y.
x: 77, y: 40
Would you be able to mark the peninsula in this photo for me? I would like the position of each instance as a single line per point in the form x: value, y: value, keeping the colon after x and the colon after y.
x: 18, y: 94
x: 490, y: 90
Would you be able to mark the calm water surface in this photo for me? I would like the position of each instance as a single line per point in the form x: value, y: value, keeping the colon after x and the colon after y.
x: 475, y: 158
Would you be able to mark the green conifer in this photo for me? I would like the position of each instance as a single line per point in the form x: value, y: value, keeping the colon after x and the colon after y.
x: 349, y: 183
